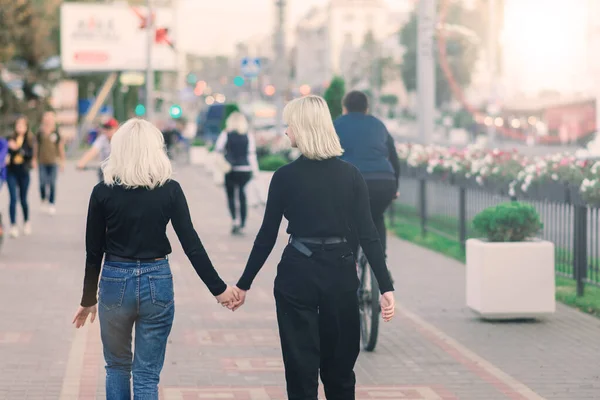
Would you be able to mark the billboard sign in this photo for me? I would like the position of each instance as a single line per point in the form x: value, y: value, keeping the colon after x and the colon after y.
x: 112, y: 37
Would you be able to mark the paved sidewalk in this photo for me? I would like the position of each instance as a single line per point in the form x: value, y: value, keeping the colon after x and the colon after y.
x: 434, y: 350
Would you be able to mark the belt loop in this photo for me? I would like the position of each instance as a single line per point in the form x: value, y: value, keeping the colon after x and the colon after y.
x: 322, y: 244
x: 139, y: 263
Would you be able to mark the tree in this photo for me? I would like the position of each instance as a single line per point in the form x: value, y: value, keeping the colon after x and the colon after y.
x: 230, y: 108
x: 334, y: 96
x: 26, y: 43
x: 462, y: 51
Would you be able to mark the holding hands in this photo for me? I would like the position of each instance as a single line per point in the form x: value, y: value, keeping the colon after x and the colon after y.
x: 232, y: 298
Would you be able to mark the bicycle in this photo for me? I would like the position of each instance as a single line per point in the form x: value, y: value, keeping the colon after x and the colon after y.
x: 368, y: 303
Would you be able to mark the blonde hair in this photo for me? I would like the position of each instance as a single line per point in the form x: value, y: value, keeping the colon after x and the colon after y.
x: 137, y: 156
x: 310, y: 121
x: 237, y: 122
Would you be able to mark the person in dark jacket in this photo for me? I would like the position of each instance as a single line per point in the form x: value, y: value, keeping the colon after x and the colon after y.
x: 315, y: 289
x: 239, y: 149
x: 3, y: 156
x: 369, y: 147
x: 20, y: 162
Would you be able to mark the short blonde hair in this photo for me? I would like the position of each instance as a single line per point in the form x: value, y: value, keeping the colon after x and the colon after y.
x: 237, y: 122
x: 137, y: 156
x: 310, y: 121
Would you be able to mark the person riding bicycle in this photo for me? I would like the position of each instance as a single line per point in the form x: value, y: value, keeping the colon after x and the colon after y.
x: 369, y: 147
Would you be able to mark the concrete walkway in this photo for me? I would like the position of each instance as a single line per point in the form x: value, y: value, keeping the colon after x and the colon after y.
x: 435, y: 348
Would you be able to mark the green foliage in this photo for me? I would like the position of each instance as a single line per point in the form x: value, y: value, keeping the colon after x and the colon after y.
x: 461, y: 51
x: 389, y: 99
x: 508, y: 222
x: 334, y: 96
x: 271, y: 162
x: 230, y: 108
x: 463, y: 119
x: 198, y: 142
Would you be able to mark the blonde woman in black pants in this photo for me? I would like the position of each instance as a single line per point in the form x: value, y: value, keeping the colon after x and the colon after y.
x: 315, y: 289
x: 239, y: 149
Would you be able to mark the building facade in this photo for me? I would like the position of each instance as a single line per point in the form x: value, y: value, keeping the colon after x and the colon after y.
x: 330, y: 40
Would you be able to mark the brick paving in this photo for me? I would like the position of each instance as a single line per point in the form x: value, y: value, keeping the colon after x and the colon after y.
x: 434, y: 349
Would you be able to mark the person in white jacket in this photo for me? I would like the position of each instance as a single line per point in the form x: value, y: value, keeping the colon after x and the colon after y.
x: 239, y: 149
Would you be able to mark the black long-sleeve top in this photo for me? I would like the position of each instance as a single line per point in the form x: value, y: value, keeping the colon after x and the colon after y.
x: 132, y: 223
x: 319, y: 199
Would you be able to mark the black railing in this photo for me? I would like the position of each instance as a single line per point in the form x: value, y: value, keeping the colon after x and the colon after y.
x: 447, y: 208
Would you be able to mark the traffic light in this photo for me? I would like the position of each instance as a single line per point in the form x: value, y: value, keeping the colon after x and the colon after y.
x: 238, y: 81
x: 192, y: 78
x: 175, y: 111
x: 140, y: 110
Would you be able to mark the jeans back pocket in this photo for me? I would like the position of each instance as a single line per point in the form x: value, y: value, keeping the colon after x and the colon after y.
x: 111, y: 293
x: 161, y: 290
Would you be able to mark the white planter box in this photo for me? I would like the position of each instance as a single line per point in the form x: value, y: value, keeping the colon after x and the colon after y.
x: 510, y: 280
x: 198, y: 155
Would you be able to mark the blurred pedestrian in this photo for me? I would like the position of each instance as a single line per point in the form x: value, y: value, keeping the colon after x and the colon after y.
x: 20, y: 162
x: 126, y: 225
x: 315, y: 290
x: 3, y: 174
x: 239, y: 149
x: 50, y: 156
x: 101, y: 146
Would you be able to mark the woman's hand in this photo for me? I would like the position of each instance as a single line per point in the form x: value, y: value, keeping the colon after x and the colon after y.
x: 82, y: 314
x: 241, y: 294
x: 227, y: 298
x: 12, y: 144
x: 388, y: 306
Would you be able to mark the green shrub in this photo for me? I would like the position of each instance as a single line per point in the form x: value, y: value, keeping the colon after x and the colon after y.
x: 508, y: 222
x: 334, y: 96
x: 271, y: 162
x: 198, y: 142
x: 230, y: 108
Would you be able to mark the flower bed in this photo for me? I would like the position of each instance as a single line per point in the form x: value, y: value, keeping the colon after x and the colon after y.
x: 556, y: 177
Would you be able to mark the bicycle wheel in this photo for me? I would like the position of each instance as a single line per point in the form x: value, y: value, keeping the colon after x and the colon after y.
x: 368, y: 303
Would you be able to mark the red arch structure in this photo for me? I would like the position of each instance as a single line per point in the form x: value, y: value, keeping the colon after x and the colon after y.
x: 460, y: 96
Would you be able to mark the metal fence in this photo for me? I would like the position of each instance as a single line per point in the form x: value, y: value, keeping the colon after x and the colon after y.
x: 447, y: 210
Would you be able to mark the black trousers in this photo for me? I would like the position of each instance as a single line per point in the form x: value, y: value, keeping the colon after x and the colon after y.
x: 319, y: 323
x: 239, y: 180
x: 381, y: 195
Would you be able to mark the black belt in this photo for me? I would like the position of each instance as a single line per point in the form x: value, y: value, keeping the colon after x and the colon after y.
x: 110, y: 257
x: 301, y: 242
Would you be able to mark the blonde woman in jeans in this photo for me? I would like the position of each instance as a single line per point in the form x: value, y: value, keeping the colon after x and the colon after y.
x: 126, y: 225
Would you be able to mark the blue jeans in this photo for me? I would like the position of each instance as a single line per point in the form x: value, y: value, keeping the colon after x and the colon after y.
x: 140, y: 295
x: 48, y: 181
x: 17, y: 178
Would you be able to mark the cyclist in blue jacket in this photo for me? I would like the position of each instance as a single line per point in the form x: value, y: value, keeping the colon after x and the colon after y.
x: 369, y: 147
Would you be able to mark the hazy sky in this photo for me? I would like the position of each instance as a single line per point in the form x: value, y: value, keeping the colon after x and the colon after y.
x: 214, y: 26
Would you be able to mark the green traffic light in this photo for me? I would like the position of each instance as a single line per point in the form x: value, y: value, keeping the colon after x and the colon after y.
x: 238, y: 81
x: 192, y: 78
x: 140, y: 110
x: 175, y: 111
